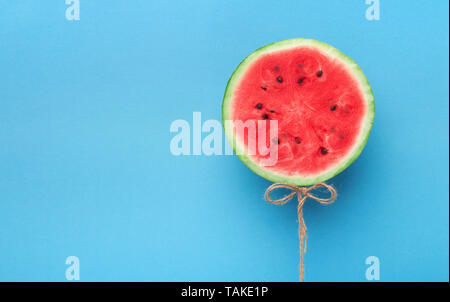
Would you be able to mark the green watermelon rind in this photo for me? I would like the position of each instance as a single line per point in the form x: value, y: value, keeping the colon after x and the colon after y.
x: 352, y: 67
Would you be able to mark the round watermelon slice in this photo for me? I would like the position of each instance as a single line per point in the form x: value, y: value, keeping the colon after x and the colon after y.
x: 321, y: 100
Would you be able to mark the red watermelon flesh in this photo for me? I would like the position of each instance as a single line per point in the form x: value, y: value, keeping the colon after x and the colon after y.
x: 323, y: 108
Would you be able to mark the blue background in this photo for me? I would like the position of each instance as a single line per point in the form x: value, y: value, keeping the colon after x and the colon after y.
x: 86, y: 170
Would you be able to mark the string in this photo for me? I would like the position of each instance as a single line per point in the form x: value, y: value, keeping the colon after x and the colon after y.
x: 303, y: 193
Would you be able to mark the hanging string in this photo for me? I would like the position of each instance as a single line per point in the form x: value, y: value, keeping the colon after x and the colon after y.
x: 303, y: 193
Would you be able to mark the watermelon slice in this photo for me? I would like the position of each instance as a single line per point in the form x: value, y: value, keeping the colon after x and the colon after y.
x: 321, y: 100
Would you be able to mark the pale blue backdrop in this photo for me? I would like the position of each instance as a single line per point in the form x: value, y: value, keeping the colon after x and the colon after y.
x: 86, y: 170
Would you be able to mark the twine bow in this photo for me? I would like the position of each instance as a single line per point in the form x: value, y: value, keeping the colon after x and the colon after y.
x: 302, y: 194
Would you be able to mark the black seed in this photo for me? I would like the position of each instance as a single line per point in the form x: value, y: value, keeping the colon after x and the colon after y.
x: 276, y: 141
x: 333, y: 108
x: 298, y: 140
x: 272, y: 111
x: 258, y: 106
x: 319, y: 73
x: 276, y: 68
x: 263, y: 87
x: 280, y: 80
x: 323, y: 151
x: 265, y: 116
x: 300, y: 81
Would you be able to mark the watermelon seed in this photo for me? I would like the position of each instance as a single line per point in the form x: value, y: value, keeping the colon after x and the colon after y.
x: 276, y: 68
x: 264, y: 88
x: 300, y: 81
x: 323, y: 150
x: 333, y: 108
x: 258, y: 106
x: 319, y: 73
x: 265, y: 116
x: 272, y: 111
x: 280, y: 80
x: 276, y: 141
x: 298, y: 140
